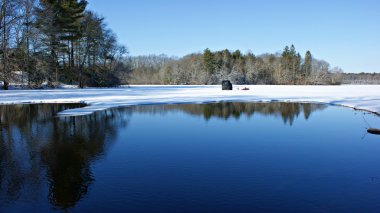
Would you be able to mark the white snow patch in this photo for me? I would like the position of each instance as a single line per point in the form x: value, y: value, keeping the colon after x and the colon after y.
x: 364, y: 97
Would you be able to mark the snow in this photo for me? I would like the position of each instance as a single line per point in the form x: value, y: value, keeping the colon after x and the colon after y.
x: 364, y: 97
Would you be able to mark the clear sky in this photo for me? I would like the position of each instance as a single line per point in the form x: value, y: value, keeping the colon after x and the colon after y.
x: 345, y: 33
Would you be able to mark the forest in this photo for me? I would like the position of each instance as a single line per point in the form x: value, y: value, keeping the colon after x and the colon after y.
x: 361, y: 78
x: 287, y: 67
x: 51, y: 41
x: 45, y: 43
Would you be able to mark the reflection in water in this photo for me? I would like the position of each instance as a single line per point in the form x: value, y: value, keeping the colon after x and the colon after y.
x: 32, y: 139
x: 38, y: 149
x: 226, y: 110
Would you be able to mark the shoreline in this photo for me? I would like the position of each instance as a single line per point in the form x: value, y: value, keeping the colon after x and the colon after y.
x: 357, y: 97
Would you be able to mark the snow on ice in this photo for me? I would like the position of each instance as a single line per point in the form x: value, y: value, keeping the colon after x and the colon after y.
x: 364, y: 97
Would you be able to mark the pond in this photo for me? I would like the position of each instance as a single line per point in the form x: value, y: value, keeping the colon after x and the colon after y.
x: 220, y: 157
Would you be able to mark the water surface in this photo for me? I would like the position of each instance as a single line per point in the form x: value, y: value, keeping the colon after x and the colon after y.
x: 225, y: 157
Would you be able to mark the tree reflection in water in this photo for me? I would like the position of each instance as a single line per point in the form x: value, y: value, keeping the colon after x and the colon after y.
x: 34, y: 141
x: 38, y: 149
x: 288, y: 111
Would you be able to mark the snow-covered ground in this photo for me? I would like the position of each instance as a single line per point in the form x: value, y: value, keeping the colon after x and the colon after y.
x: 365, y: 97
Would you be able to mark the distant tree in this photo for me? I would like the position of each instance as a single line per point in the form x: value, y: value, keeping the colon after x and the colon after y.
x: 291, y: 65
x: 236, y: 55
x: 360, y: 78
x: 286, y: 59
x: 293, y: 50
x: 250, y: 68
x: 298, y: 69
x: 209, y: 61
x: 307, y: 65
x: 227, y: 57
x: 285, y: 68
x: 336, y: 76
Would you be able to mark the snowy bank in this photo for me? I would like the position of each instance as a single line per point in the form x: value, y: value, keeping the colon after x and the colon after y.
x: 365, y: 97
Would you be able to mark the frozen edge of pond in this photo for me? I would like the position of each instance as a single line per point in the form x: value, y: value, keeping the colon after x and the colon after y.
x: 362, y: 97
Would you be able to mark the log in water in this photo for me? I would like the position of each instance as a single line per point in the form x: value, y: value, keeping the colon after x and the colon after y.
x: 373, y: 131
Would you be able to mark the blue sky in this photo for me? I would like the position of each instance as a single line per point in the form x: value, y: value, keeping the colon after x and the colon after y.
x: 345, y: 33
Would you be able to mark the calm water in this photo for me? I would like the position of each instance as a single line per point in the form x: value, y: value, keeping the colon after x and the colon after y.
x: 227, y: 157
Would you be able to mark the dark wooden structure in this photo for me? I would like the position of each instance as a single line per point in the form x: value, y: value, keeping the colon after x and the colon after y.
x: 226, y: 85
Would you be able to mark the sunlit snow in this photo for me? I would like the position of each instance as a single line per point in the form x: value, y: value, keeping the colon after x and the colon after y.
x: 365, y: 97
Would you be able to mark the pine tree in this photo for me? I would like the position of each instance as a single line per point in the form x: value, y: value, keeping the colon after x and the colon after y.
x: 236, y: 54
x: 60, y: 21
x: 285, y: 65
x: 72, y: 14
x: 307, y: 65
x: 293, y: 50
x: 209, y: 61
x: 297, y: 68
x: 291, y: 65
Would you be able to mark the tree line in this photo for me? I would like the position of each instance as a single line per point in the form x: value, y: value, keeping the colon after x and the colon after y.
x: 51, y: 41
x: 361, y: 78
x: 47, y: 42
x: 287, y: 67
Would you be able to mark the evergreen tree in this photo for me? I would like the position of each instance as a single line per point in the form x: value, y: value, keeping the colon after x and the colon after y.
x: 291, y: 64
x: 236, y: 55
x: 307, y: 65
x: 227, y: 59
x: 293, y: 50
x: 298, y: 68
x: 59, y: 21
x: 285, y: 66
x: 72, y: 14
x: 209, y: 61
x: 286, y: 51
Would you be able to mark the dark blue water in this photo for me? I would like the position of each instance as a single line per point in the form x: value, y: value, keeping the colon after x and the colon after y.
x: 227, y: 157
